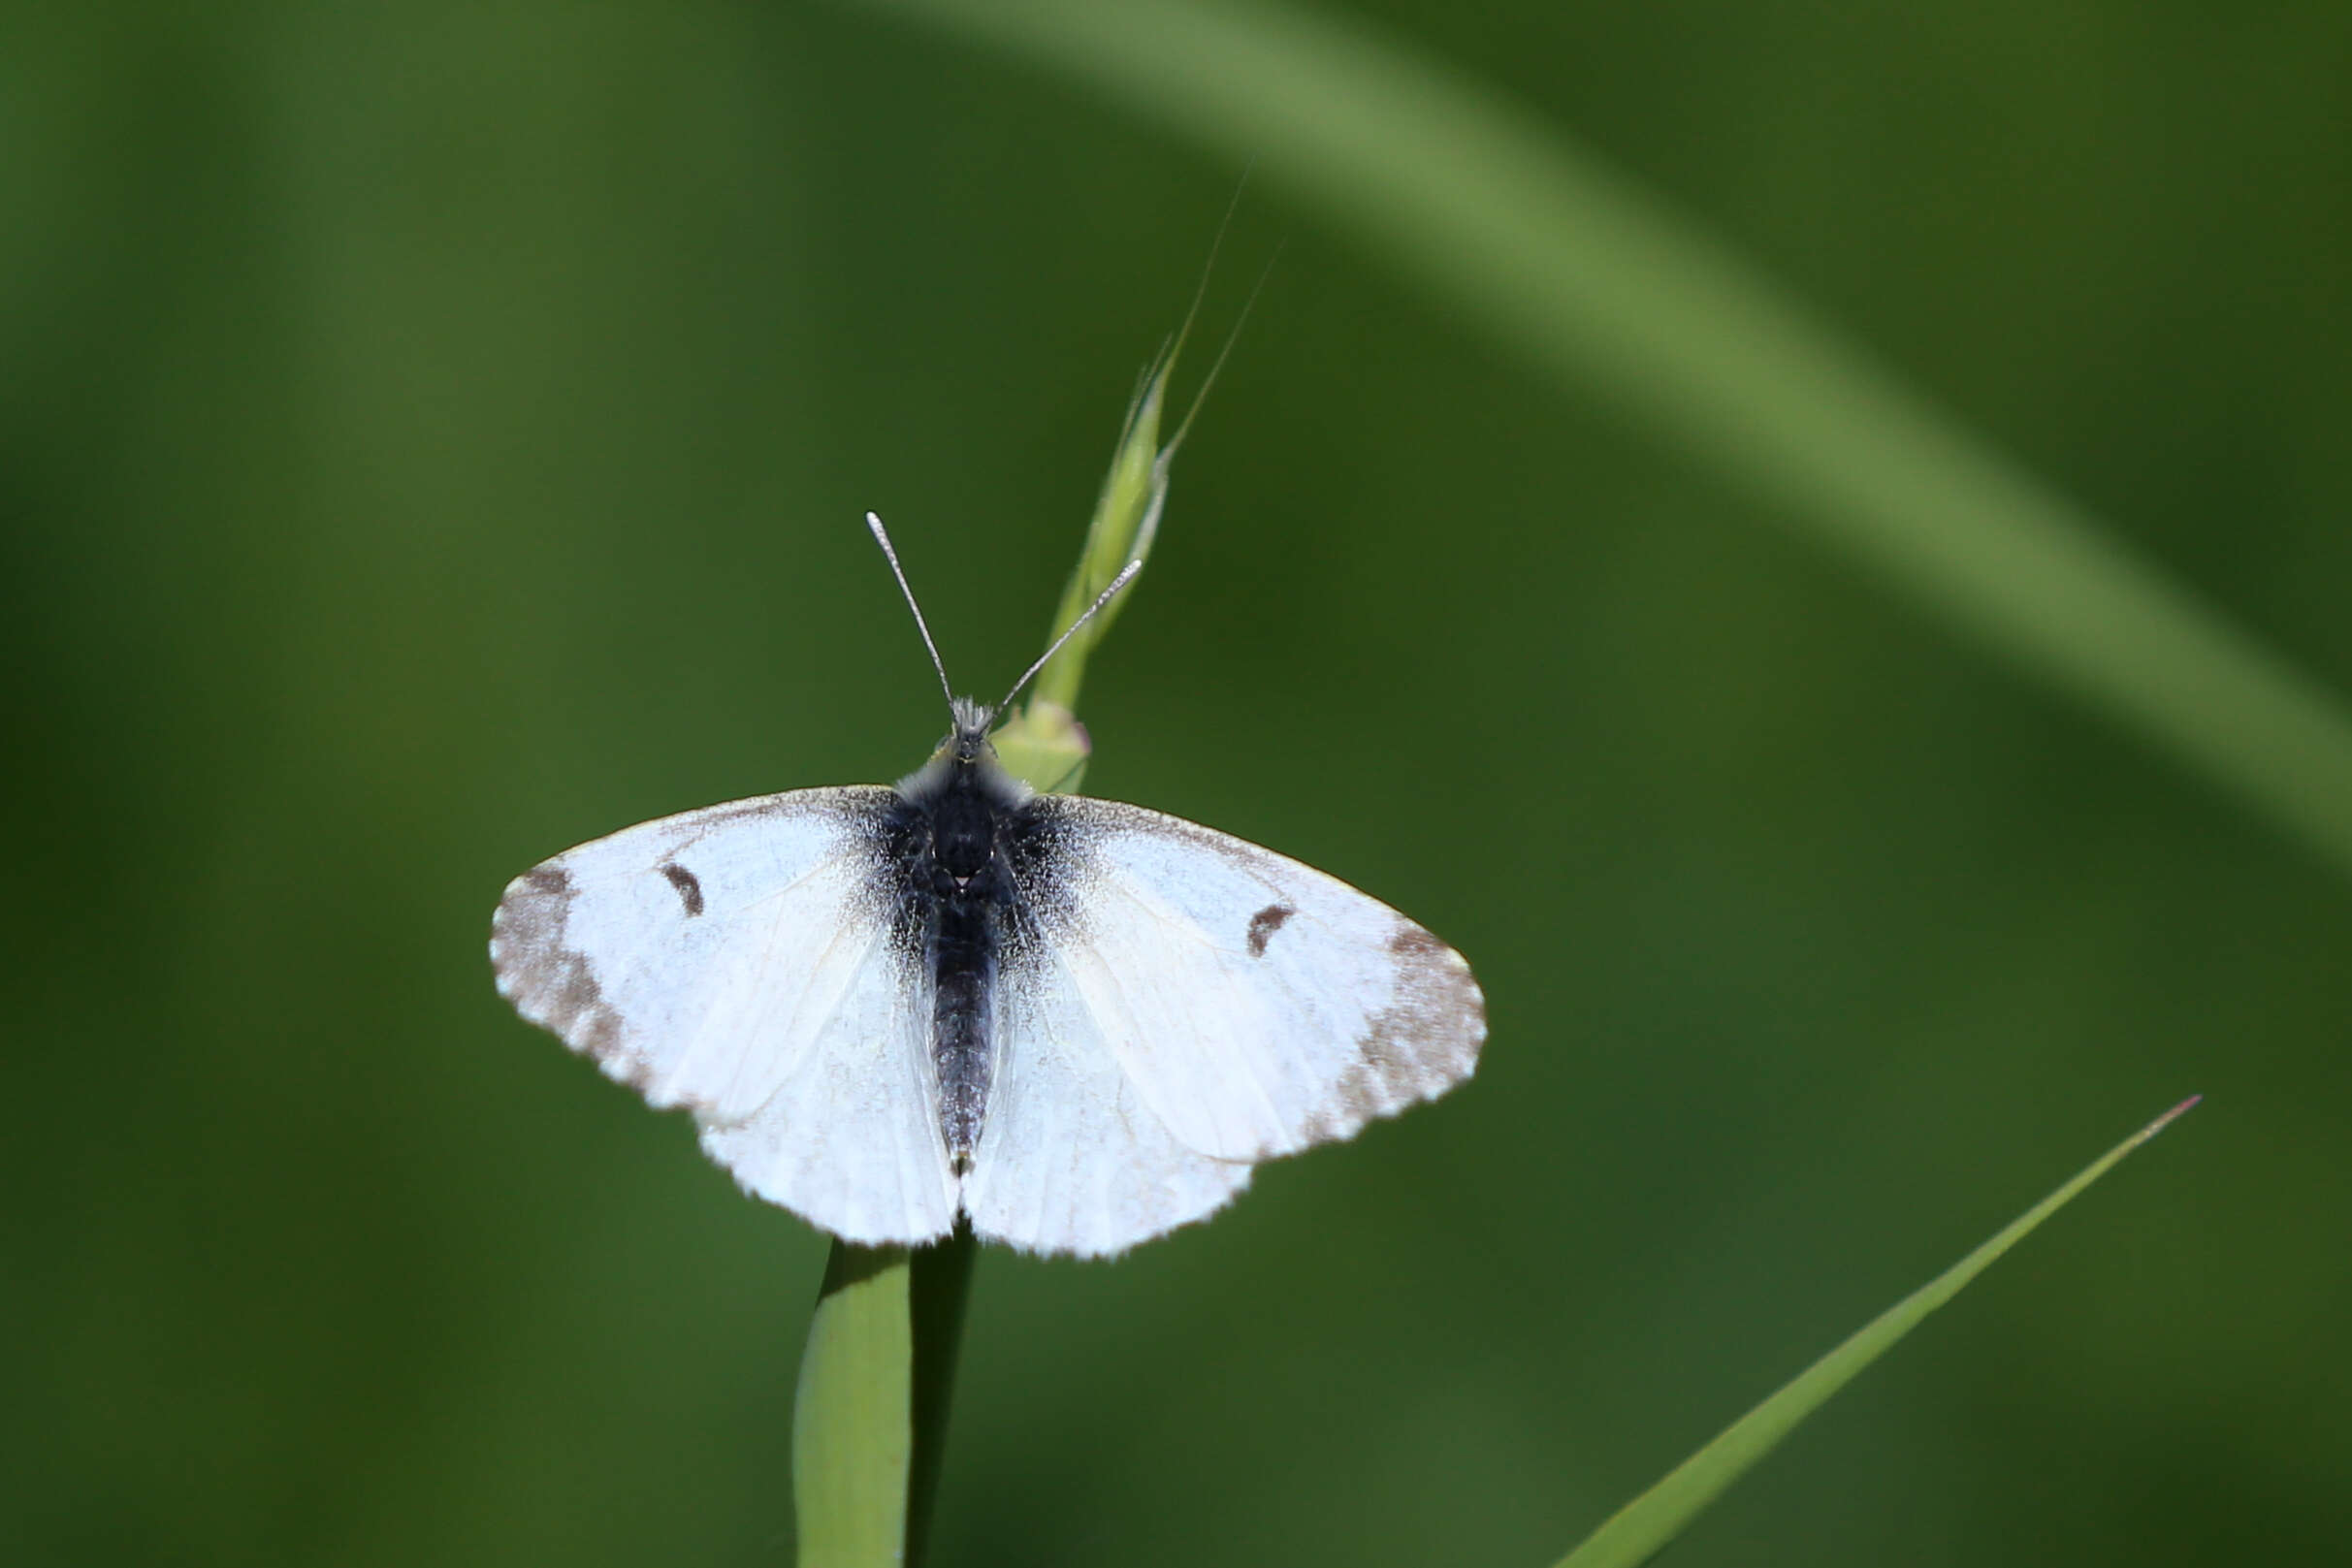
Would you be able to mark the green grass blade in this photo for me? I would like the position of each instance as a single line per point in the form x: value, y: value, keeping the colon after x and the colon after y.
x: 1637, y: 1531
x: 852, y: 1447
x: 1605, y: 290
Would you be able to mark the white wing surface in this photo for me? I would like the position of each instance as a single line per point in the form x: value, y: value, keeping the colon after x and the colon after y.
x: 1187, y: 1005
x: 739, y: 961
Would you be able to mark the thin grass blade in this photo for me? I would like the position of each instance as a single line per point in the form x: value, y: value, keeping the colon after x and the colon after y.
x: 1637, y: 1531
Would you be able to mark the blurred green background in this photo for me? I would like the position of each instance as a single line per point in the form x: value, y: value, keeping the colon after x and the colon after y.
x: 434, y: 435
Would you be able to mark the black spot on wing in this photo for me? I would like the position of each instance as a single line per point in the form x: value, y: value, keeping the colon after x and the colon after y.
x: 689, y: 886
x: 1264, y: 924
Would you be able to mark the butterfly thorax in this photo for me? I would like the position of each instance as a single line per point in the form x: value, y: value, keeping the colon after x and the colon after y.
x: 961, y: 825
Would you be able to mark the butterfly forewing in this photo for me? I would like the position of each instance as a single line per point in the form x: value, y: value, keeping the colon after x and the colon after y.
x: 1186, y: 1004
x: 744, y: 962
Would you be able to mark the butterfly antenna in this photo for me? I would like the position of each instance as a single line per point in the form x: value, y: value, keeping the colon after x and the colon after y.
x: 881, y: 538
x: 1126, y: 575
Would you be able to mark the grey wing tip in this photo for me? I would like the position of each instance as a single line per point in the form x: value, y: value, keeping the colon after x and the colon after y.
x: 1423, y: 1043
x: 549, y: 983
x: 527, y: 921
x: 1429, y: 1038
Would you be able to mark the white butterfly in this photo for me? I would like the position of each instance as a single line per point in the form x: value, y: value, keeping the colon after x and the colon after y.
x: 1078, y: 1023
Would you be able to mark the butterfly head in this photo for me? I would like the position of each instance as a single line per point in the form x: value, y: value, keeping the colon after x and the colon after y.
x: 969, y: 743
x: 965, y: 762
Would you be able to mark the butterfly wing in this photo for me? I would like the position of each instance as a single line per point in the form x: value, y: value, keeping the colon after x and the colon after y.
x: 744, y: 962
x: 1188, y: 1004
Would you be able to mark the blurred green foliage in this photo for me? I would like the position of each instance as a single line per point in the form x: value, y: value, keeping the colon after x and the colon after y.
x: 431, y: 437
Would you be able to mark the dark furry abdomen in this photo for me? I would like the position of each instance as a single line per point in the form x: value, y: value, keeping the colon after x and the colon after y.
x: 954, y: 839
x: 963, y: 953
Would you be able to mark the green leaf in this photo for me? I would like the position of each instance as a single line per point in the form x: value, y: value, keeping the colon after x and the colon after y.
x: 1637, y: 1531
x: 1599, y: 285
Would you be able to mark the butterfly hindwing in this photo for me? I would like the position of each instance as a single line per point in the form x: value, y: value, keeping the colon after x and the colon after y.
x: 743, y: 962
